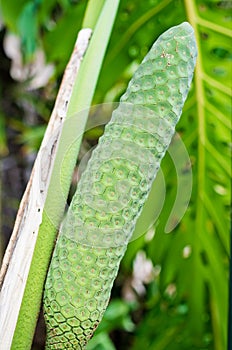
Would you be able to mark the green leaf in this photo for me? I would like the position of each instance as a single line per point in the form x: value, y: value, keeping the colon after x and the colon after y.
x: 200, y: 279
x: 10, y: 11
x: 27, y: 27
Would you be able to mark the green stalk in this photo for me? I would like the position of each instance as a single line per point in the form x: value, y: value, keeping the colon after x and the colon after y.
x: 64, y: 163
x: 92, y: 12
x: 196, y: 307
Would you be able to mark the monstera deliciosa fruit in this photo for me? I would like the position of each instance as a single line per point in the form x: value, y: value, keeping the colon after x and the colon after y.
x: 113, y: 189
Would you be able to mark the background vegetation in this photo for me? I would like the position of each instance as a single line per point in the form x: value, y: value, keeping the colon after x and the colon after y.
x: 172, y: 289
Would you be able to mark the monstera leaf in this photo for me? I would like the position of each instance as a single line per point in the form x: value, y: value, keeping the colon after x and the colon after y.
x: 187, y: 304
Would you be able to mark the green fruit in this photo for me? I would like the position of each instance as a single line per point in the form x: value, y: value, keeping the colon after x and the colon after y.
x: 113, y: 190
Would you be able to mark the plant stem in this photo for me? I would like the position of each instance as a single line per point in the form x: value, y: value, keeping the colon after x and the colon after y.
x: 195, y: 305
x: 92, y: 12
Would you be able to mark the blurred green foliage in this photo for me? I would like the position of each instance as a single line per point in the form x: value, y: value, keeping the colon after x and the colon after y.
x: 186, y: 304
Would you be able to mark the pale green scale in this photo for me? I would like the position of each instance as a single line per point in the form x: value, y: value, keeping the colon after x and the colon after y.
x: 113, y: 189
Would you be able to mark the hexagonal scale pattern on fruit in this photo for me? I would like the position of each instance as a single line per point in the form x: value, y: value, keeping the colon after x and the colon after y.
x: 113, y: 189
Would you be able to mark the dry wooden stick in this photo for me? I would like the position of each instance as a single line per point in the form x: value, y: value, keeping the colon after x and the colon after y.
x: 18, y: 255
